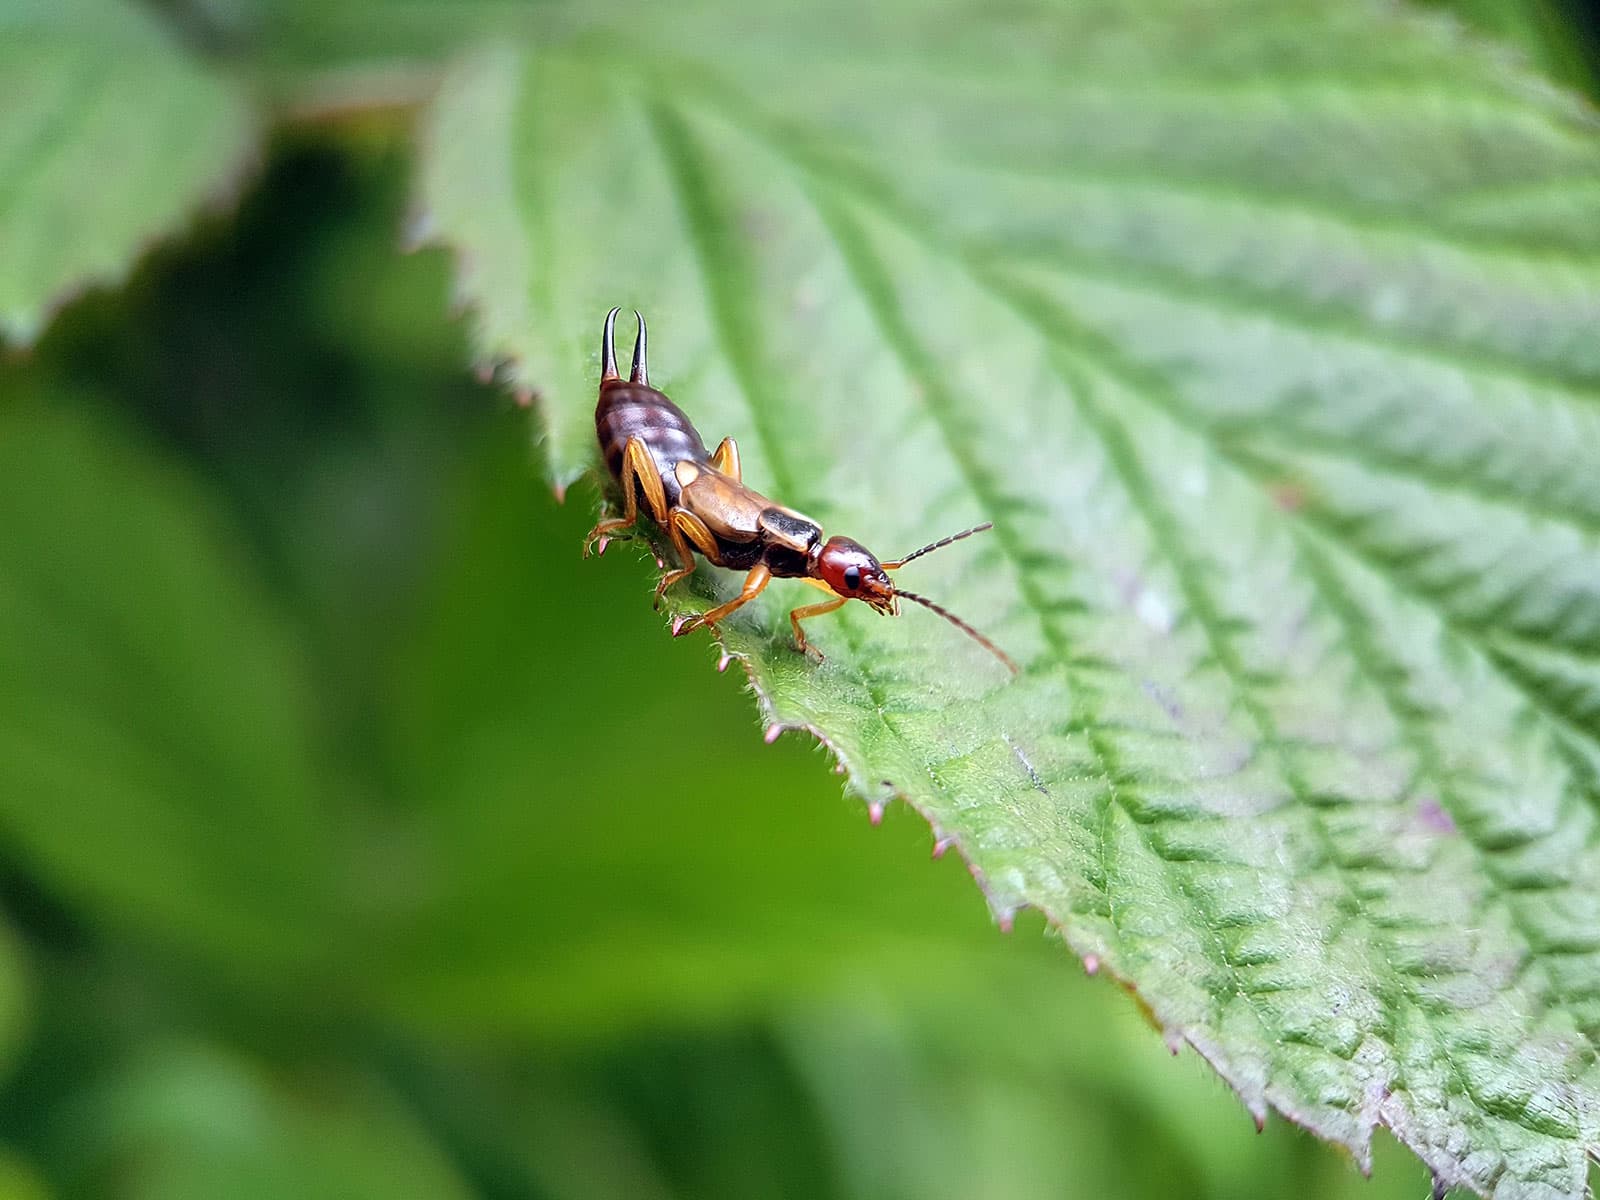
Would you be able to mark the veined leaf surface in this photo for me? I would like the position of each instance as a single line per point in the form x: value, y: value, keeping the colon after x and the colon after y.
x: 1266, y: 335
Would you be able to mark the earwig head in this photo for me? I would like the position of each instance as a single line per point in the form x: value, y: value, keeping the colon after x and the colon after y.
x: 851, y: 571
x: 608, y: 351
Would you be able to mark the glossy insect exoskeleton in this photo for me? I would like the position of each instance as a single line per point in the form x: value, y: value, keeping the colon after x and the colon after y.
x: 700, y: 501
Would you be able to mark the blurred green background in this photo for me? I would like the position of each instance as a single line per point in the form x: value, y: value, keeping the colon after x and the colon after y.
x: 358, y: 839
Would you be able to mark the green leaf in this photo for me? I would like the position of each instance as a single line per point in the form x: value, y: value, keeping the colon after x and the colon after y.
x: 190, y: 1120
x: 155, y: 759
x: 1265, y: 336
x: 109, y: 139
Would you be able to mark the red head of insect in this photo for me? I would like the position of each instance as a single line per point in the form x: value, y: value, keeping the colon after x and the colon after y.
x: 851, y: 571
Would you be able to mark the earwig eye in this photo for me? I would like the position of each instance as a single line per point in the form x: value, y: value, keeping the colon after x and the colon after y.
x: 852, y: 577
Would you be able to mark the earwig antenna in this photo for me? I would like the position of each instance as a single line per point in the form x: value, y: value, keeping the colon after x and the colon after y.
x: 608, y: 348
x: 959, y: 623
x: 641, y: 373
x: 932, y: 546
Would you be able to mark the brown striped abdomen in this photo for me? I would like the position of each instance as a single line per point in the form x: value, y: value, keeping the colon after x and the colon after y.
x: 629, y: 410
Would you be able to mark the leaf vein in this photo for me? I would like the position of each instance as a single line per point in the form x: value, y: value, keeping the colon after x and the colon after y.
x: 1290, y: 312
x: 1383, y: 673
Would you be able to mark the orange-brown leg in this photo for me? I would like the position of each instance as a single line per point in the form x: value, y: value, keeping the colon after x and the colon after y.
x: 754, y: 582
x: 726, y: 459
x: 806, y: 613
x: 638, y: 472
x: 686, y: 529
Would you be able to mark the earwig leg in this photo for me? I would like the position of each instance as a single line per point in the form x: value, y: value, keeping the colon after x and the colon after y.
x: 806, y: 613
x: 604, y: 532
x: 754, y: 582
x: 684, y: 529
x: 726, y: 459
x: 638, y: 472
x: 698, y: 533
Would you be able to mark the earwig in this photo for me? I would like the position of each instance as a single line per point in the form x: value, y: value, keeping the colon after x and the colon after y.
x: 700, y: 501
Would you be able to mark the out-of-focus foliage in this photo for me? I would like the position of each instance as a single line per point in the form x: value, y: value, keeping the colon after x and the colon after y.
x: 345, y: 854
x: 109, y: 138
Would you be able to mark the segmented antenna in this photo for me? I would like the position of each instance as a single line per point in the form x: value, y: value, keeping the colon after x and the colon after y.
x: 957, y: 621
x: 939, y: 545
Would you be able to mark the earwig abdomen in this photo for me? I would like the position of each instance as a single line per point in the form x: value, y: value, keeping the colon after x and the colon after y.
x: 632, y: 410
